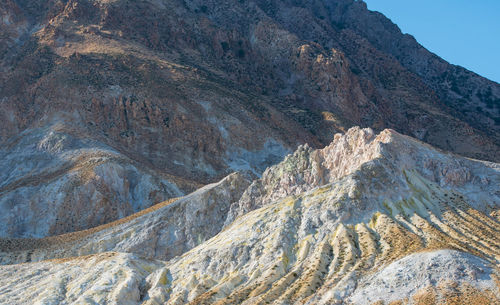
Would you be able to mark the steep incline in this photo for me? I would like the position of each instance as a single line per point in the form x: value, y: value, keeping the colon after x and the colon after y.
x: 346, y: 224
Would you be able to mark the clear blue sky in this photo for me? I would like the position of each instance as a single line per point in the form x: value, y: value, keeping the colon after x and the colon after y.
x: 463, y: 32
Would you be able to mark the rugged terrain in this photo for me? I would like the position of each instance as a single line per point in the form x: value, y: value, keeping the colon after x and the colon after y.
x: 121, y: 104
x: 208, y: 152
x: 369, y: 219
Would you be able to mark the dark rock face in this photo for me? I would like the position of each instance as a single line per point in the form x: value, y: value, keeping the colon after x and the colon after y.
x: 197, y: 89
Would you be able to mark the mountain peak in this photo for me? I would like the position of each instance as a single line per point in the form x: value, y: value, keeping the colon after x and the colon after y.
x: 387, y: 158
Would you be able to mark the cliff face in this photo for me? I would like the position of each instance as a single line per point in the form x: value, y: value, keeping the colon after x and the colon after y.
x: 369, y: 219
x: 189, y: 91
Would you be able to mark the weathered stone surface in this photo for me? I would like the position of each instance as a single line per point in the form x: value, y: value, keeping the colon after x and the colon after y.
x: 379, y: 207
x: 384, y: 156
x: 107, y: 278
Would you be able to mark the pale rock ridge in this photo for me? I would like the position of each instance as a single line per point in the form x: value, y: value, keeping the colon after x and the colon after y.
x: 170, y: 230
x: 306, y: 169
x: 380, y: 202
x: 387, y: 154
x: 314, y: 248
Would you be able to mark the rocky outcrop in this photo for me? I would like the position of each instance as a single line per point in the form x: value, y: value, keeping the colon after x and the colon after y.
x: 387, y: 154
x: 380, y: 208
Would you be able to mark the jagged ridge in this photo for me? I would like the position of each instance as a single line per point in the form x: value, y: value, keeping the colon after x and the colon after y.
x: 326, y: 222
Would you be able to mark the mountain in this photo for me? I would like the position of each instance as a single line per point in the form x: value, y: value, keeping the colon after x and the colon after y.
x: 108, y: 107
x: 369, y: 219
x: 240, y: 152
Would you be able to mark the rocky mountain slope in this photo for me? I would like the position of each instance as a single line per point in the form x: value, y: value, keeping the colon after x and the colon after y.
x: 122, y: 104
x: 369, y: 219
x: 52, y: 183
